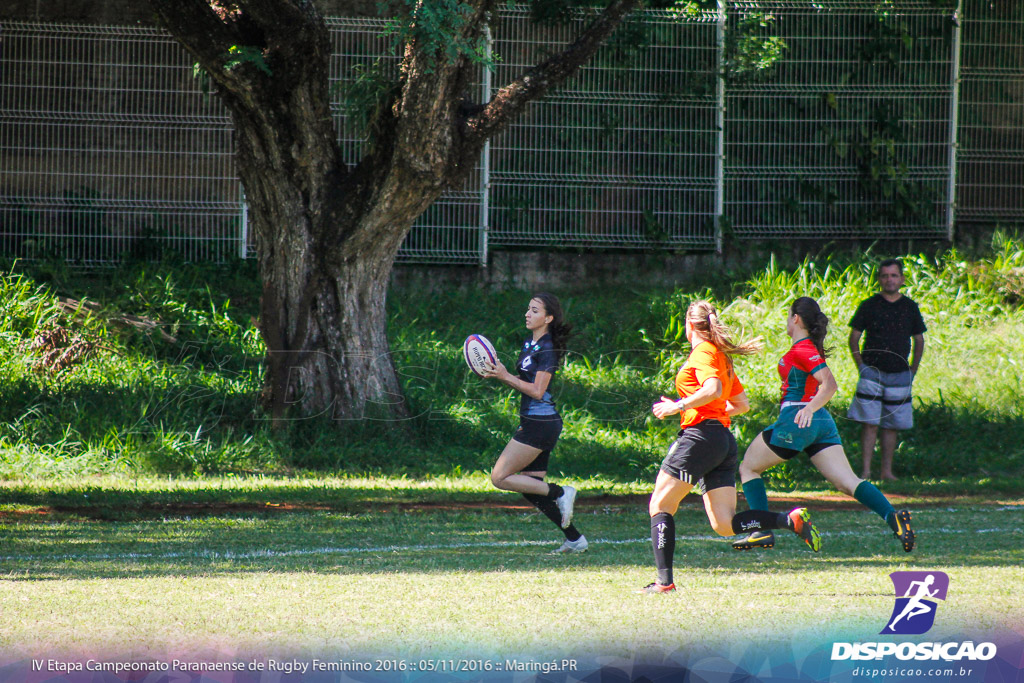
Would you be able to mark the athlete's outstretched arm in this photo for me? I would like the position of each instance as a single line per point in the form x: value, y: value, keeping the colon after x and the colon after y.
x: 708, y: 392
x: 534, y: 389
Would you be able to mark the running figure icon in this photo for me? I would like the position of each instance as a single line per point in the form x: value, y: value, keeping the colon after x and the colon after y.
x: 917, y: 598
x: 916, y: 606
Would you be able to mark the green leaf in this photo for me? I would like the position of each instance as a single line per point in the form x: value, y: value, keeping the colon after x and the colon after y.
x: 244, y: 54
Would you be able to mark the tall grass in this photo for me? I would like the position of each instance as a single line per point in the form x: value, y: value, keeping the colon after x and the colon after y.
x: 966, y: 392
x: 190, y: 406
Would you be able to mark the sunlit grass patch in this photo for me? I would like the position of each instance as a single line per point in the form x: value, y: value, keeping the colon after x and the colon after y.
x: 473, y: 581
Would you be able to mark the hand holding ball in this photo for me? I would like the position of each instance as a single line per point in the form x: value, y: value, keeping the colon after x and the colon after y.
x: 479, y: 354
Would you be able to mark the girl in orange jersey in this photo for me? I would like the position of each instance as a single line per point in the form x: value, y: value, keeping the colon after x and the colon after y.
x: 704, y: 455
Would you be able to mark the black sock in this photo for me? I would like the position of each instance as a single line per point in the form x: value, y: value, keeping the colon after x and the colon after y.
x: 554, y: 490
x: 784, y: 521
x: 663, y: 540
x: 756, y: 520
x: 549, y: 509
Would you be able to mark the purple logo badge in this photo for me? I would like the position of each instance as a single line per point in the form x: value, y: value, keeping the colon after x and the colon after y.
x: 917, y: 594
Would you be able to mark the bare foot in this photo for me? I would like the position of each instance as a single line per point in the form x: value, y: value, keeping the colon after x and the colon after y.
x: 889, y: 477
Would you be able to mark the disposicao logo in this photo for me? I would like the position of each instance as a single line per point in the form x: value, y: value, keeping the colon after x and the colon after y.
x: 917, y: 596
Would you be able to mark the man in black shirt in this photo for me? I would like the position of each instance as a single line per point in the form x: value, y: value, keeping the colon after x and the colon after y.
x: 890, y: 323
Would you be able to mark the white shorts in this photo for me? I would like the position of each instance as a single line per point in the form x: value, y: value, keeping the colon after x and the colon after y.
x: 883, y: 399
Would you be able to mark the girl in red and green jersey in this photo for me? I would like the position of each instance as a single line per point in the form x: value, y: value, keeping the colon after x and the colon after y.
x: 803, y: 425
x: 704, y: 454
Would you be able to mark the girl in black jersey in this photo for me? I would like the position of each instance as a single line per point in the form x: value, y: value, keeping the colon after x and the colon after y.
x: 523, y: 464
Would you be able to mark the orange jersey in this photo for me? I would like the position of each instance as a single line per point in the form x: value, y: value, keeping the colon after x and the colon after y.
x: 705, y: 362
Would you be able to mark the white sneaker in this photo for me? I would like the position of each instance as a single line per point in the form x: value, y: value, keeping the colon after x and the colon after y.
x: 580, y: 545
x: 564, y: 503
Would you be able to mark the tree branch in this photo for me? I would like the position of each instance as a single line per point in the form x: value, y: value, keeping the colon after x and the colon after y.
x: 428, y: 106
x: 415, y: 140
x: 242, y: 42
x: 511, y: 100
x: 197, y: 25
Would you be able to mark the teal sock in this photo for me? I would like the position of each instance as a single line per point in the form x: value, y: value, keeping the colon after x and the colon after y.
x: 868, y: 495
x: 757, y: 497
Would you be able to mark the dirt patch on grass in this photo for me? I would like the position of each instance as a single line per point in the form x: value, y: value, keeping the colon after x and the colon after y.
x: 825, y: 501
x: 510, y: 503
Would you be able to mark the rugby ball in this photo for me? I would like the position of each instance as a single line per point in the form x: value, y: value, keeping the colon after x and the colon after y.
x: 478, y: 351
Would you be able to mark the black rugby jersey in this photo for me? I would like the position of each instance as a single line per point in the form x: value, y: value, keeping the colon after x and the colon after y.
x: 537, y: 356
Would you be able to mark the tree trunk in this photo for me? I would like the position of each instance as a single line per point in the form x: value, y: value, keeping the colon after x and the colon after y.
x: 326, y: 242
x: 324, y: 263
x: 325, y: 327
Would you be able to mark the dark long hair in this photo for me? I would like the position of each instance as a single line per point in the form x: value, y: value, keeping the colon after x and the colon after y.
x: 814, y: 320
x: 558, y: 328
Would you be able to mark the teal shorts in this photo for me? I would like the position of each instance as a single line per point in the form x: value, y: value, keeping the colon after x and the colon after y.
x: 787, y: 440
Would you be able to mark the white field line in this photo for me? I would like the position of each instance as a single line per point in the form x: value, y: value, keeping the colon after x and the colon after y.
x: 304, y: 552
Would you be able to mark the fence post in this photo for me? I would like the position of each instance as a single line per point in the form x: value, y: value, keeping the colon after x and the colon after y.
x: 485, y: 158
x: 720, y: 152
x: 243, y: 246
x: 954, y: 122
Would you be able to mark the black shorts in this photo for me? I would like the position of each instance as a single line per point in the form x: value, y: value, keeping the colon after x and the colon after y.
x: 789, y: 453
x: 704, y: 455
x: 540, y: 432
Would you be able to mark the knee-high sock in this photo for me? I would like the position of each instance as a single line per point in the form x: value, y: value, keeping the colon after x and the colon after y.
x: 753, y: 491
x: 663, y: 539
x: 549, y: 509
x: 868, y: 495
x: 759, y: 520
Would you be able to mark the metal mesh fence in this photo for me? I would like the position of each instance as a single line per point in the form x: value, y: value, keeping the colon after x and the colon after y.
x: 108, y: 146
x: 848, y: 135
x: 625, y: 154
x: 990, y: 183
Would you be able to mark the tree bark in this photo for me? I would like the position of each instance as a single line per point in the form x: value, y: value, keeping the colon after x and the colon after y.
x: 326, y: 234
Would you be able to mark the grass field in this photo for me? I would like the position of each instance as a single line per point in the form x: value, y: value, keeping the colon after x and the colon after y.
x: 328, y: 571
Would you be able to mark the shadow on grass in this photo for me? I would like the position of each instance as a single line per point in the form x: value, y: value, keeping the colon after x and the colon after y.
x: 945, y: 442
x: 388, y: 539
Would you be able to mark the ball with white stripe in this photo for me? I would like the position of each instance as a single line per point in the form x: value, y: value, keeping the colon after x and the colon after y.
x: 478, y: 353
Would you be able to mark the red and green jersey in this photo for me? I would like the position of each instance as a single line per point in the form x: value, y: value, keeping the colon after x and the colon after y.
x: 797, y: 369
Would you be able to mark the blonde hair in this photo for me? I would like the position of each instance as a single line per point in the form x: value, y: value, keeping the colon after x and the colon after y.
x: 703, y: 318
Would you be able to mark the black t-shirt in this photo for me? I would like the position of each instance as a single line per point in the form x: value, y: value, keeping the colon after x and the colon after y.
x: 887, y: 327
x: 537, y: 356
